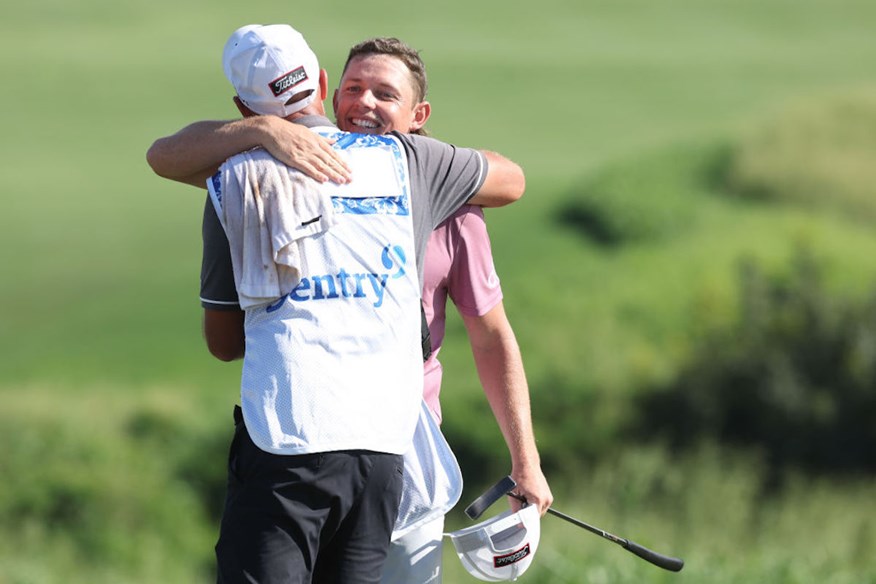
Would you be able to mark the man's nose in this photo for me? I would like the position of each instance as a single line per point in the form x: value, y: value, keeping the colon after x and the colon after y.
x: 366, y: 99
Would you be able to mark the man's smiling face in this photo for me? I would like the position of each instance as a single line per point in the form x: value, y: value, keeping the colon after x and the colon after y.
x: 376, y: 96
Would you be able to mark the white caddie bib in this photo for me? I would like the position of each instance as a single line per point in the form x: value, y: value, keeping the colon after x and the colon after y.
x: 336, y: 364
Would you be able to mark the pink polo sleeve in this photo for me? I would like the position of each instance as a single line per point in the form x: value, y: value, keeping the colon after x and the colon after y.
x: 459, y: 265
x: 472, y: 282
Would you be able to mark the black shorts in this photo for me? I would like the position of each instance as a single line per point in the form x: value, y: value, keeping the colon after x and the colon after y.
x: 324, y: 518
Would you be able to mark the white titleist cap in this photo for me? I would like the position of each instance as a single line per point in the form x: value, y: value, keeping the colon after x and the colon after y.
x: 269, y: 64
x: 500, y: 548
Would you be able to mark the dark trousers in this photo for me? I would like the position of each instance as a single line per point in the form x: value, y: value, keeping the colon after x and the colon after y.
x: 315, y: 518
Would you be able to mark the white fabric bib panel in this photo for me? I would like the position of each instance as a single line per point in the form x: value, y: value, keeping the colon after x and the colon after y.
x: 336, y: 364
x: 432, y: 477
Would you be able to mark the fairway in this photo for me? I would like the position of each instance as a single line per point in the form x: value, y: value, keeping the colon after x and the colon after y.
x: 100, y: 323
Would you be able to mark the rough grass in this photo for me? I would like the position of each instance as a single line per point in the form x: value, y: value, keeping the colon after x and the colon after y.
x: 708, y: 508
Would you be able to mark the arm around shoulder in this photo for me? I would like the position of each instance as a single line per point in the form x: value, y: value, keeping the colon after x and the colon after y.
x: 194, y: 154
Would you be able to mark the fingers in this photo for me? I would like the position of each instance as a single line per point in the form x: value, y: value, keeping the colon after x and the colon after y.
x: 300, y: 148
x: 543, y: 502
x: 535, y: 490
x: 335, y: 166
x: 516, y: 502
x: 519, y: 499
x: 313, y: 170
x: 321, y: 162
x: 322, y: 167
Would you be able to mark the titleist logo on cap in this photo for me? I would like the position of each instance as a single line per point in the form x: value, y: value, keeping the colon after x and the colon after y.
x: 508, y: 559
x: 288, y: 81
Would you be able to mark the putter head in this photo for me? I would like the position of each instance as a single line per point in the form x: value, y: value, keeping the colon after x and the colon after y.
x: 490, y: 496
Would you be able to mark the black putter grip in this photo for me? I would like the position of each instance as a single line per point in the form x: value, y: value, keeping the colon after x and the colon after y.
x: 490, y: 496
x: 665, y: 562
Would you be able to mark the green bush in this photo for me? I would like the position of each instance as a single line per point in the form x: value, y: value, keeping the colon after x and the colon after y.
x: 819, y: 154
x: 90, y: 480
x: 575, y: 428
x: 794, y: 377
x: 648, y: 200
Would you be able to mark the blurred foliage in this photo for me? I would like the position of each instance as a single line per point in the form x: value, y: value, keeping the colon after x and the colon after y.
x: 110, y: 493
x: 783, y: 366
x: 794, y: 377
x: 818, y: 153
x: 645, y: 201
x: 709, y: 505
x: 584, y: 427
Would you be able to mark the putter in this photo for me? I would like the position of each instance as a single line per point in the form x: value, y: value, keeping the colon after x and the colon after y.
x: 490, y: 496
x: 507, y: 484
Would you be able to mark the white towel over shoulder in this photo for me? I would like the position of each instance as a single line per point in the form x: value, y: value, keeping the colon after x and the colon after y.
x: 265, y: 208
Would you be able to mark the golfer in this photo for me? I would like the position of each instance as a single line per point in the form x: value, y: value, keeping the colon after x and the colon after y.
x: 383, y: 89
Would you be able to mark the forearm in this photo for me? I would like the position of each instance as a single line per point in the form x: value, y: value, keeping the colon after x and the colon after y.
x: 504, y: 184
x: 500, y: 368
x: 195, y: 153
x: 224, y: 334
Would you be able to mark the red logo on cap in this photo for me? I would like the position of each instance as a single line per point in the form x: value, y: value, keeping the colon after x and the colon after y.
x: 287, y: 81
x: 513, y: 557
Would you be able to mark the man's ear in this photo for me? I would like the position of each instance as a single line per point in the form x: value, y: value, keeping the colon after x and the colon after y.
x: 323, y: 84
x: 244, y: 111
x: 422, y: 111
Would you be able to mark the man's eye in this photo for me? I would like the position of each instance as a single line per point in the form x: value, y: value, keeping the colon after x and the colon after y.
x: 352, y: 90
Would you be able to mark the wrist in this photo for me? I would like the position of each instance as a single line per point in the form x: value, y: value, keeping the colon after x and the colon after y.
x: 259, y: 129
x: 526, y: 467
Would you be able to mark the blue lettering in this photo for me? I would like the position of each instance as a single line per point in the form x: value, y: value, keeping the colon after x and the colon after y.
x: 359, y: 277
x: 302, y: 286
x: 318, y: 291
x: 342, y: 281
x: 327, y: 286
x: 392, y: 255
x: 276, y: 305
x: 378, y: 282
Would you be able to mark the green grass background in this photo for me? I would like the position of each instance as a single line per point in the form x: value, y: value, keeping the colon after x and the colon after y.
x: 108, y: 390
